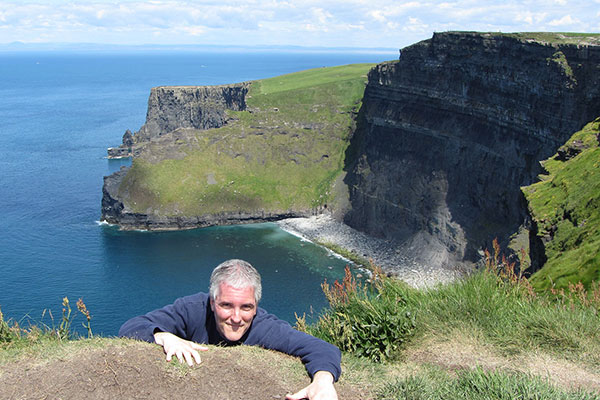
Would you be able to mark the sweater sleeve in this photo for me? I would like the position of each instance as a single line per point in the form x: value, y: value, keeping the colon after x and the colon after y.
x: 316, y: 354
x: 173, y: 318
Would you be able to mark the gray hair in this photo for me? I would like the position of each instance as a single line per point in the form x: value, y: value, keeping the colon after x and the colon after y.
x: 235, y: 273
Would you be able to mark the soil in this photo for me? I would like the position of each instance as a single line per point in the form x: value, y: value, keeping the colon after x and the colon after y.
x: 127, y: 369
x: 136, y: 370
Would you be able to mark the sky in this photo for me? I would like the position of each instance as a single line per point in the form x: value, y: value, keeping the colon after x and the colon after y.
x: 322, y: 23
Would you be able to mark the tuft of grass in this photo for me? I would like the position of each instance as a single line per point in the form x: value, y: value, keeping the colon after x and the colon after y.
x: 497, y: 304
x: 15, y: 336
x: 477, y: 384
x: 501, y: 305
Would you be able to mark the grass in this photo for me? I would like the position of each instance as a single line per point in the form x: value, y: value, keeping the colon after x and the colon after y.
x: 565, y: 205
x: 495, y: 309
x: 350, y: 255
x: 283, y: 153
x: 492, y: 314
x: 15, y: 336
x: 557, y: 37
x: 477, y: 384
x: 509, y: 319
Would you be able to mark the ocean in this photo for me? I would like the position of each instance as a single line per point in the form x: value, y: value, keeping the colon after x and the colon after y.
x: 59, y: 111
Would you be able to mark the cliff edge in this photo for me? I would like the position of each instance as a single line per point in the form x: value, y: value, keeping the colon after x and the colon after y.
x: 250, y: 152
x: 449, y: 133
x: 432, y: 163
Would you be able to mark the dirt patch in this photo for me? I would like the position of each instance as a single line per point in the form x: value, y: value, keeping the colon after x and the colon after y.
x: 463, y: 352
x: 135, y: 370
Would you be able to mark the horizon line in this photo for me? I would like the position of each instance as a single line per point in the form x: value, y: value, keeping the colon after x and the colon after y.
x: 83, y: 46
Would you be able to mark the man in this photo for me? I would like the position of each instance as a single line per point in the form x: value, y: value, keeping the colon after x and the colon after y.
x: 229, y: 315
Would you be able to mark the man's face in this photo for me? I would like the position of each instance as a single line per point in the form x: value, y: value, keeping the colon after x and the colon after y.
x: 234, y: 310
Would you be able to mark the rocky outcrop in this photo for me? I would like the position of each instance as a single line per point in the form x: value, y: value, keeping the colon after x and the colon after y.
x: 449, y: 132
x: 199, y: 107
x: 172, y: 107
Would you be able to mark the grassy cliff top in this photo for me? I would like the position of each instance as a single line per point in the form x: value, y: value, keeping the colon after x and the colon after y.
x: 284, y: 152
x: 559, y: 37
x: 565, y: 205
x: 547, y: 37
x: 481, y: 338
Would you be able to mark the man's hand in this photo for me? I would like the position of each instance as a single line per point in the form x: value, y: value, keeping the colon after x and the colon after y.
x: 183, y: 349
x: 321, y: 388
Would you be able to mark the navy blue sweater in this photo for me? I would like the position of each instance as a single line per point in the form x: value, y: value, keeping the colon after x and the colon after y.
x: 191, y: 318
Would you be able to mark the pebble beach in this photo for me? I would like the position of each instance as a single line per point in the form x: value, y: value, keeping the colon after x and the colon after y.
x: 388, y: 255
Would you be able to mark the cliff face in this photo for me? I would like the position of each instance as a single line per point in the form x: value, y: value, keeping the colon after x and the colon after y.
x: 449, y: 133
x: 199, y: 107
x: 173, y: 107
x: 170, y: 108
x: 197, y: 164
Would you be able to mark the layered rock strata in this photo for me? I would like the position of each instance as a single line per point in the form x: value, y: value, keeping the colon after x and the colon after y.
x: 449, y: 133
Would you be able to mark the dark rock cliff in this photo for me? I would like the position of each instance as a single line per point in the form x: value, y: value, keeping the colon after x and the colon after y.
x: 448, y: 134
x: 173, y: 107
x: 199, y: 107
x: 170, y: 108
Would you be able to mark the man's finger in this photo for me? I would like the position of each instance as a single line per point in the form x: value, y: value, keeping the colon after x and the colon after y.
x: 197, y: 346
x: 298, y: 395
x: 196, y: 356
x: 189, y: 358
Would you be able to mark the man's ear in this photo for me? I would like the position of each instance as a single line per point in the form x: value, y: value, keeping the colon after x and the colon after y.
x: 212, y: 305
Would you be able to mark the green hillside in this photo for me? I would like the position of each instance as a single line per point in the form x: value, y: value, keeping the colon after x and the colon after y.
x: 284, y: 152
x: 565, y: 204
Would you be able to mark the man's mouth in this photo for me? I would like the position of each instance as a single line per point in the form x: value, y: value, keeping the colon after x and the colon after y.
x: 235, y: 326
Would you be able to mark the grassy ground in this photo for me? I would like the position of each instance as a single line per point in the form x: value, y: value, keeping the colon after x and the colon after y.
x: 283, y: 153
x: 488, y: 336
x: 556, y: 37
x: 565, y: 204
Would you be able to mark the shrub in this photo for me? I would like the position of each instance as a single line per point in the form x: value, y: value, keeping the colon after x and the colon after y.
x: 370, y: 319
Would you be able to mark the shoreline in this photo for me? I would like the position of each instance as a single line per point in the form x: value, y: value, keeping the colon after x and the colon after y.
x: 384, y: 253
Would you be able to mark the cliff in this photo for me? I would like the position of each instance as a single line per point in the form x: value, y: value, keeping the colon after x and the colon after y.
x: 433, y: 163
x: 250, y: 152
x: 172, y: 107
x: 199, y: 107
x: 449, y: 133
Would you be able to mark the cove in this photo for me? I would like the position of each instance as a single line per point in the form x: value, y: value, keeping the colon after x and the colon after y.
x: 59, y: 113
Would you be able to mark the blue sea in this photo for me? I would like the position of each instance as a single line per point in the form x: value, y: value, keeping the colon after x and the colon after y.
x: 59, y: 111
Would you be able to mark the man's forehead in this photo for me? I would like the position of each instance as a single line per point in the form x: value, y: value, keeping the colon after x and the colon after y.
x: 228, y: 292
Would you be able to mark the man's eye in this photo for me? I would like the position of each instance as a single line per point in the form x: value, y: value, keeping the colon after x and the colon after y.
x: 225, y: 305
x: 248, y: 307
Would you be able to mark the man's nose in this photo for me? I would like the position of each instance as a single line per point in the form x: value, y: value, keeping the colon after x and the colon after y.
x: 236, y: 315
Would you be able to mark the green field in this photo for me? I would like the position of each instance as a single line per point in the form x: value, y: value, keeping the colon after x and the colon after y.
x: 283, y: 153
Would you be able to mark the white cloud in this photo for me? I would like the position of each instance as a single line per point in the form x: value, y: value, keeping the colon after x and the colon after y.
x: 564, y: 21
x: 374, y: 23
